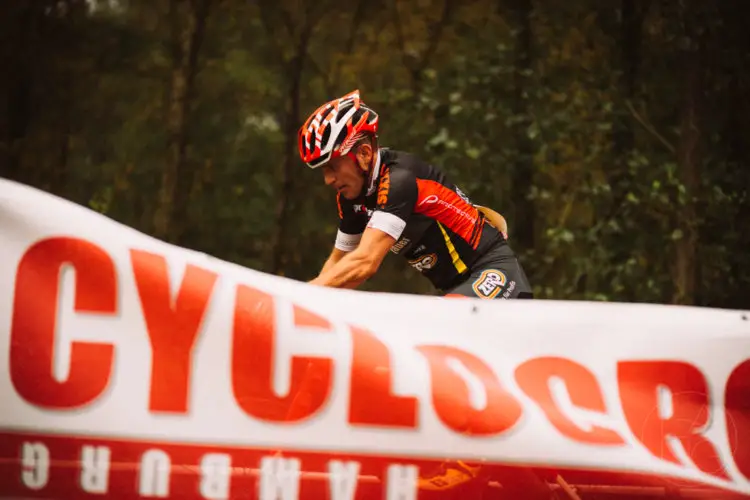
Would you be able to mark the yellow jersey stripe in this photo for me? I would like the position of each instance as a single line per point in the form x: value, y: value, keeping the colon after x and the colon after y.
x: 457, y: 262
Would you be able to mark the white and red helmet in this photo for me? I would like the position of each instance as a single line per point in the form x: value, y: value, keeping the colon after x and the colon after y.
x: 334, y: 128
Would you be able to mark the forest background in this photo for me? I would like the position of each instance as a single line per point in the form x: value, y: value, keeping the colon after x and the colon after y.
x: 614, y: 136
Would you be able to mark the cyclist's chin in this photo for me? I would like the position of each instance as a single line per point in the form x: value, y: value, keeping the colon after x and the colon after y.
x: 348, y: 192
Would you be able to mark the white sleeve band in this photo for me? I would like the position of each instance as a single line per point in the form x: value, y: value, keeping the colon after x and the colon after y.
x: 388, y: 223
x: 347, y: 242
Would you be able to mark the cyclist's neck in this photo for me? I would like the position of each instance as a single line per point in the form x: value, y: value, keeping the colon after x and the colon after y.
x: 371, y: 181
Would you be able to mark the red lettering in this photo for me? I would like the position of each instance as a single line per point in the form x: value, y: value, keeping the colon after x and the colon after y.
x: 371, y: 401
x: 303, y: 317
x: 34, y: 323
x: 315, y: 374
x: 737, y: 404
x: 172, y: 325
x: 534, y: 377
x: 252, y: 362
x: 688, y: 413
x: 452, y: 399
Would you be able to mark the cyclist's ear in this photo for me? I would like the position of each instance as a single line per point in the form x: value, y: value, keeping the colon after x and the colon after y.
x: 364, y: 155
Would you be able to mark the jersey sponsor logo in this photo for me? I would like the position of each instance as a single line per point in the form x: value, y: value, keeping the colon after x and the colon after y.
x: 435, y: 199
x: 400, y: 244
x: 384, y: 187
x: 424, y: 262
x: 360, y: 208
x: 492, y: 282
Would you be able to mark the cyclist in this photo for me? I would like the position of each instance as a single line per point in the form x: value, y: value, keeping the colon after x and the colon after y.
x: 392, y: 200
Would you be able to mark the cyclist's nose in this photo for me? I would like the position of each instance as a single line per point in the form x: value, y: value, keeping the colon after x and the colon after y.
x: 328, y: 176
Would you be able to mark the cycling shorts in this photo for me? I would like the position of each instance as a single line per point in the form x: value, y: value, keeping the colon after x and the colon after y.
x: 495, y: 275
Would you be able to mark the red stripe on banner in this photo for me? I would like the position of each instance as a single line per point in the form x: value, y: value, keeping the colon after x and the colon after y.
x: 46, y: 466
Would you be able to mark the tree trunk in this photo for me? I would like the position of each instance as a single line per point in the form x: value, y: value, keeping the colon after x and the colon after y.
x: 631, y: 23
x: 689, y: 161
x: 58, y: 182
x: 291, y: 122
x: 524, y: 214
x: 620, y: 179
x: 67, y: 40
x: 20, y: 21
x: 188, y: 20
x: 416, y: 65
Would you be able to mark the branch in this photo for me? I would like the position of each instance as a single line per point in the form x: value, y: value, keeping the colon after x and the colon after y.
x: 313, y: 17
x: 287, y: 18
x: 567, y: 210
x: 200, y: 14
x: 436, y: 31
x: 319, y: 71
x: 356, y: 18
x: 650, y: 128
x: 329, y: 77
x: 359, y: 12
x: 316, y: 11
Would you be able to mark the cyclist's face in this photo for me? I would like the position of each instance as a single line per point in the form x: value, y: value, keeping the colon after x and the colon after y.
x: 345, y: 176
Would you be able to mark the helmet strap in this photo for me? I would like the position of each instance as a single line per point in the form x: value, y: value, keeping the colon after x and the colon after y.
x: 367, y: 174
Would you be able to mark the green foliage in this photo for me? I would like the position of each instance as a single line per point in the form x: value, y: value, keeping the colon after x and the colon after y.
x: 576, y: 121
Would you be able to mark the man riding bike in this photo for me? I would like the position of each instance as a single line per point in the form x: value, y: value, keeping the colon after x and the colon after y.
x: 392, y: 200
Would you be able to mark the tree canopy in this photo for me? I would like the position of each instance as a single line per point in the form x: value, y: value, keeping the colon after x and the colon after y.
x: 612, y: 135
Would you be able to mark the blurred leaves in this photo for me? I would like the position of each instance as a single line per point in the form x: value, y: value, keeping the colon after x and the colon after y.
x: 565, y: 117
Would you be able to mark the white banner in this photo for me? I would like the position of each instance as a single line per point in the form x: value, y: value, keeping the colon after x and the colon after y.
x: 133, y: 368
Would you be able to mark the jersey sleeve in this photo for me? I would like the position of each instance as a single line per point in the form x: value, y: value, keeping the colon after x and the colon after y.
x: 397, y: 194
x: 351, y: 226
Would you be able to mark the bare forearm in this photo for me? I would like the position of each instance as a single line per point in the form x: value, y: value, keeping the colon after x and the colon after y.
x: 358, y: 265
x: 348, y: 272
x: 332, y: 260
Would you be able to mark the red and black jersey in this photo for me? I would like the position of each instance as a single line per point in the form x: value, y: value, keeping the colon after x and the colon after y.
x: 437, y: 227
